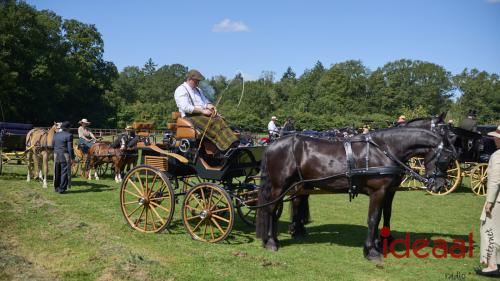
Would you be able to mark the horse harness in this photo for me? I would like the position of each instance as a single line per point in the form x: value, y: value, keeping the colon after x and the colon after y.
x: 353, y: 173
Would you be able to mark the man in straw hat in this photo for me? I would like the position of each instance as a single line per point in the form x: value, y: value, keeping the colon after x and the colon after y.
x: 85, y: 136
x: 193, y: 104
x: 490, y: 217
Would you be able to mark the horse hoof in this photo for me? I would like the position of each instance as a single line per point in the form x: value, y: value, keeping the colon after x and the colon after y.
x: 373, y: 255
x: 271, y: 246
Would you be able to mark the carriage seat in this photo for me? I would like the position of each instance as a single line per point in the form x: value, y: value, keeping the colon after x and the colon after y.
x: 184, y: 129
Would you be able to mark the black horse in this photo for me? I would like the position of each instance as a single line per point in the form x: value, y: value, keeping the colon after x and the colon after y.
x: 371, y: 164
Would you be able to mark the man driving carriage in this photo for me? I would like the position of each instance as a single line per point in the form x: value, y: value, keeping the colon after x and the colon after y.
x: 194, y: 106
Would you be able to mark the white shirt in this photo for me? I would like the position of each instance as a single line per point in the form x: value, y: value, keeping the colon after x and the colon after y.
x: 271, y: 127
x: 184, y: 103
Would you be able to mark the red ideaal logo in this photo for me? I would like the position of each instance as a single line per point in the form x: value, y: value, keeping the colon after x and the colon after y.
x: 440, y: 248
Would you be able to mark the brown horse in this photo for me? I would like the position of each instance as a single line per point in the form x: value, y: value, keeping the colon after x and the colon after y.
x: 104, y: 152
x: 39, y: 152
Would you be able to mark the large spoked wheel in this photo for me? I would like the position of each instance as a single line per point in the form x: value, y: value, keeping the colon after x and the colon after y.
x: 478, y: 179
x: 147, y: 199
x: 417, y: 164
x: 453, y: 180
x: 208, y: 213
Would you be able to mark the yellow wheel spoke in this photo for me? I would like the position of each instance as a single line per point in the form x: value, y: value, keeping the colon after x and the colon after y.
x: 203, y: 199
x: 217, y: 224
x: 220, y: 210
x: 212, y: 232
x: 139, y: 218
x: 133, y: 194
x: 198, y: 225
x: 193, y: 208
x: 193, y: 217
x: 220, y: 218
x: 153, y: 219
x: 129, y: 215
x: 205, y: 229
x: 146, y: 223
x: 161, y: 207
x: 158, y: 215
x: 135, y: 186
x: 131, y: 202
x: 140, y: 181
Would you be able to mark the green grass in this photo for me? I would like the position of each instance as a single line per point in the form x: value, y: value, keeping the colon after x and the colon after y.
x: 82, y: 235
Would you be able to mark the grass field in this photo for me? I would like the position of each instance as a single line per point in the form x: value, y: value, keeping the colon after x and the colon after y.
x: 81, y: 235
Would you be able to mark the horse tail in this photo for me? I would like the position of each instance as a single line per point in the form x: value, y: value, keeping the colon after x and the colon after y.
x: 264, y: 214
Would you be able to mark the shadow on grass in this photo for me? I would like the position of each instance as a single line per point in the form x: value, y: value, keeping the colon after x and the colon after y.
x: 93, y: 187
x: 354, y: 236
x: 12, y: 176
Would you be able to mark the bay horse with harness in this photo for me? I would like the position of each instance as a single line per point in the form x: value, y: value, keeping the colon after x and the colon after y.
x: 107, y: 152
x: 372, y: 164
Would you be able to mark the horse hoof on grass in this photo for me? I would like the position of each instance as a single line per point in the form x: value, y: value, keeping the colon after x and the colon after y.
x: 373, y: 255
x: 271, y: 246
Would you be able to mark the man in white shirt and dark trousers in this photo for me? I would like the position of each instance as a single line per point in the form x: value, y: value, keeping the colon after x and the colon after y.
x: 273, y: 129
x: 197, y: 108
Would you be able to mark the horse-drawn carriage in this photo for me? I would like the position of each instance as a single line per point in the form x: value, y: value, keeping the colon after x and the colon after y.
x: 214, y: 186
x: 12, y: 143
x: 474, y: 150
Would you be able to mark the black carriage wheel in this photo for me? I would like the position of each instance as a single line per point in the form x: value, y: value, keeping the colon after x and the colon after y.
x: 102, y: 169
x: 208, y: 213
x: 147, y: 199
x: 248, y: 215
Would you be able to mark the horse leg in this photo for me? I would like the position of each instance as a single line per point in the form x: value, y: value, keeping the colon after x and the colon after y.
x: 374, y: 213
x: 299, y: 215
x: 29, y: 163
x: 273, y: 242
x: 45, y: 167
x: 387, y: 211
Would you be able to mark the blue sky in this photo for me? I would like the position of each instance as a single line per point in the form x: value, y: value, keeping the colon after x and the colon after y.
x: 226, y: 37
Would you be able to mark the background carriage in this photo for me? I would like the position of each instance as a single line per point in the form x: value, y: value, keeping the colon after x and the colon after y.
x: 12, y: 143
x: 214, y: 187
x: 475, y: 149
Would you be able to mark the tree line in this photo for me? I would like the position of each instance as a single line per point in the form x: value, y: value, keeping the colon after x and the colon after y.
x: 53, y: 69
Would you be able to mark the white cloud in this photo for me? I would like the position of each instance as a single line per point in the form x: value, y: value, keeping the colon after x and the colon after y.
x: 493, y: 1
x: 227, y: 25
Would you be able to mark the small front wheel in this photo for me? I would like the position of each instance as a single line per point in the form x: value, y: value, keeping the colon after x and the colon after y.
x: 208, y: 213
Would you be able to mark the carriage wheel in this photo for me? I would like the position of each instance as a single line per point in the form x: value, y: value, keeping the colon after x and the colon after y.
x: 75, y: 166
x: 147, y: 199
x: 417, y: 164
x: 208, y: 213
x: 478, y: 179
x: 452, y: 181
x: 102, y: 169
